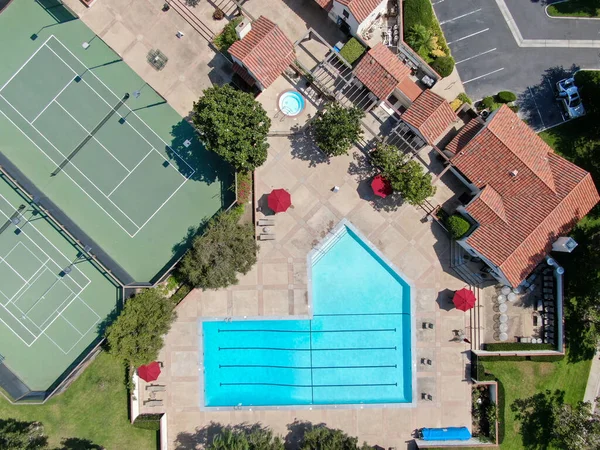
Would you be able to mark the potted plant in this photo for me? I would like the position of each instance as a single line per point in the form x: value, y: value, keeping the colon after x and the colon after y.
x: 218, y: 14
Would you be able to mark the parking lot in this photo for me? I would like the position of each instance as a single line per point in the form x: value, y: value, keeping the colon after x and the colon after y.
x: 489, y: 60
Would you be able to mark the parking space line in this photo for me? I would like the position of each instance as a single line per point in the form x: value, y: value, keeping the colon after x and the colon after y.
x: 468, y: 36
x: 439, y: 1
x: 536, y: 107
x: 473, y: 57
x: 460, y: 17
x: 484, y: 75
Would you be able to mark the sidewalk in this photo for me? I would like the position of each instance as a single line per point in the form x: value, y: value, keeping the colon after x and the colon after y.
x: 593, y: 385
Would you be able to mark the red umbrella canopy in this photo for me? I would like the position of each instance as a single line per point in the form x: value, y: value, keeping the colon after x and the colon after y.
x: 381, y: 187
x: 279, y: 200
x: 464, y: 299
x: 149, y: 372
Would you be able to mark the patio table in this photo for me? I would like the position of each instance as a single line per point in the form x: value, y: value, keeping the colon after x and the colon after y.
x: 503, y: 318
x: 511, y: 297
x: 503, y: 327
x: 505, y: 290
x: 503, y: 336
x: 502, y: 308
x: 501, y: 298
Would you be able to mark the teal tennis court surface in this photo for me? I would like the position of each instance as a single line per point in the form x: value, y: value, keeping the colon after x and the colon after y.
x: 41, y: 287
x: 92, y: 136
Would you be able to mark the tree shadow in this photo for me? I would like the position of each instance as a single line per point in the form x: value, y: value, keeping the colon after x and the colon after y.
x: 296, y: 431
x: 107, y: 321
x: 32, y: 432
x: 303, y: 147
x: 206, y: 435
x: 536, y: 416
x: 78, y: 444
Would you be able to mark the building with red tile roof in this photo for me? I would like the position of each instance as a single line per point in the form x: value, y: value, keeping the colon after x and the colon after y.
x: 354, y: 16
x: 526, y: 195
x: 382, y: 72
x: 430, y: 115
x: 262, y: 54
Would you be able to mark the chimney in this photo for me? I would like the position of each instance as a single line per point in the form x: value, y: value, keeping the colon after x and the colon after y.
x: 564, y: 244
x: 243, y: 28
x: 514, y: 173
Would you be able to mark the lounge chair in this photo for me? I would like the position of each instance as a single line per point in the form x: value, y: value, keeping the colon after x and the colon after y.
x: 266, y: 222
x: 156, y: 388
x: 153, y: 402
x: 425, y: 396
x: 525, y: 340
x: 266, y: 237
x: 426, y: 361
x: 427, y: 325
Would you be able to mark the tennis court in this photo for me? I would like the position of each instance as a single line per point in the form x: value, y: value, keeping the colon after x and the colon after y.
x: 92, y: 136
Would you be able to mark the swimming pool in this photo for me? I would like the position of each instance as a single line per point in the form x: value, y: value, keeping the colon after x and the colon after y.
x: 291, y: 103
x: 358, y: 348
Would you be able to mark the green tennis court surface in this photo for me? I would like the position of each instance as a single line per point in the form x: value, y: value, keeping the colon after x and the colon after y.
x: 52, y: 299
x: 102, y: 145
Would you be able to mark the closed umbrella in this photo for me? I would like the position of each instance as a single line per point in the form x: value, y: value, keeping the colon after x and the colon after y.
x: 149, y: 372
x: 464, y: 299
x: 279, y: 200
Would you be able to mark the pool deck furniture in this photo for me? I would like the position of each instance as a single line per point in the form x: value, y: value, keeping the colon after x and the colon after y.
x: 266, y: 222
x: 266, y: 237
x: 153, y: 402
x: 156, y: 388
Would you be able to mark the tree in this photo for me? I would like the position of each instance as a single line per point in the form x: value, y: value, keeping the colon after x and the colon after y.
x: 137, y: 334
x: 18, y: 435
x: 405, y: 175
x: 444, y: 65
x: 323, y: 438
x: 337, y: 128
x: 576, y: 427
x: 224, y: 250
x: 233, y: 125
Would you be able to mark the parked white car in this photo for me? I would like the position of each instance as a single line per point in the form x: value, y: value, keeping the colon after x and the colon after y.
x: 568, y: 96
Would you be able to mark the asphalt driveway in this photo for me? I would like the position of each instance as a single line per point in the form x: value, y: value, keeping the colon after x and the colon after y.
x: 489, y: 60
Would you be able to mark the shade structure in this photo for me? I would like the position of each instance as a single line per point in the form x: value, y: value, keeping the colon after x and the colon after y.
x: 149, y: 372
x: 464, y: 299
x: 381, y: 187
x: 279, y: 200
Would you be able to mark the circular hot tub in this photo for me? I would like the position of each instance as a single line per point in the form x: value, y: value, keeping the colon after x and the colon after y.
x: 291, y: 103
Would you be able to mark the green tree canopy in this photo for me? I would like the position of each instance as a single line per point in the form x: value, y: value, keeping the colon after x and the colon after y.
x: 233, y: 125
x: 420, y: 39
x: 251, y: 438
x: 323, y: 438
x: 18, y: 435
x: 337, y: 128
x: 137, y: 334
x: 576, y: 427
x: 405, y: 175
x: 217, y: 256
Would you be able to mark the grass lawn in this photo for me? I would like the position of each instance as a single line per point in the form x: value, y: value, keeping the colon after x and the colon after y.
x: 94, y: 407
x: 575, y: 8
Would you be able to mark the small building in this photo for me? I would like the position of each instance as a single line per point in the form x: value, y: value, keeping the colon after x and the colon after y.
x: 353, y: 16
x: 262, y: 52
x: 382, y: 72
x: 430, y: 116
x: 525, y: 196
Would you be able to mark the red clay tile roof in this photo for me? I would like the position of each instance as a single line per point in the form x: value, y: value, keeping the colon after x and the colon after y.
x: 410, y: 88
x: 531, y: 209
x: 381, y: 71
x: 430, y: 114
x: 464, y: 136
x: 265, y: 51
x: 360, y: 9
x: 325, y: 4
x: 242, y: 72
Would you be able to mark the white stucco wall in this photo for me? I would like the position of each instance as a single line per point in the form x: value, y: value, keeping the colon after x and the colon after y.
x: 369, y: 20
x: 355, y: 27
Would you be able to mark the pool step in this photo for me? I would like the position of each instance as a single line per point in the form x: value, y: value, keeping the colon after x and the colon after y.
x: 323, y: 247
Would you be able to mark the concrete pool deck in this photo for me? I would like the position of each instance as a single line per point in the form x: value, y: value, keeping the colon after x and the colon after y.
x: 277, y: 286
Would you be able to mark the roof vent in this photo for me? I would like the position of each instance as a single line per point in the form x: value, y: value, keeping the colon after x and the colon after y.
x: 514, y: 173
x: 243, y: 28
x: 564, y: 244
x: 371, y: 61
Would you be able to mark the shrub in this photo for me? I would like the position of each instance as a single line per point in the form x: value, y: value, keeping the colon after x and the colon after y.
x: 244, y: 187
x: 218, y: 14
x: 517, y: 346
x: 421, y: 39
x: 148, y: 421
x: 514, y: 108
x: 444, y: 65
x: 489, y: 103
x: 416, y: 12
x: 506, y: 97
x: 225, y: 38
x: 352, y: 50
x: 458, y: 226
x: 180, y: 293
x: 464, y: 98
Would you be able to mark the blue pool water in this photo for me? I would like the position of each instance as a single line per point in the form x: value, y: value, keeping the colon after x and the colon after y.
x: 291, y: 103
x: 356, y: 349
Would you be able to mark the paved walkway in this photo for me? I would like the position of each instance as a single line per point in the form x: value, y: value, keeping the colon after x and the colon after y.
x: 548, y: 32
x: 592, y: 389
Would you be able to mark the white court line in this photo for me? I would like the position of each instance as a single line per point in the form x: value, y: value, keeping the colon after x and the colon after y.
x: 475, y: 56
x: 68, y: 176
x: 54, y: 342
x: 50, y: 316
x: 14, y: 332
x: 71, y: 163
x: 460, y: 17
x: 484, y: 75
x: 93, y: 137
x: 118, y: 98
x: 52, y: 101
x: 25, y: 63
x: 468, y: 36
x: 127, y: 176
x: 74, y: 327
x: 12, y: 268
x: 29, y: 286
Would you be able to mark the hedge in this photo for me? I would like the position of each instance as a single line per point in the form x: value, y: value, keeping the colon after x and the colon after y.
x: 352, y: 50
x: 464, y: 98
x: 148, y: 421
x: 228, y: 36
x: 506, y: 97
x: 457, y: 226
x: 244, y: 187
x: 180, y: 293
x: 517, y: 346
x: 444, y: 65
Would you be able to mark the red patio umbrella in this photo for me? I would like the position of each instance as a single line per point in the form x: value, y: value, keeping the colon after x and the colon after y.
x: 149, y: 372
x: 279, y: 200
x: 464, y: 299
x: 381, y: 187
